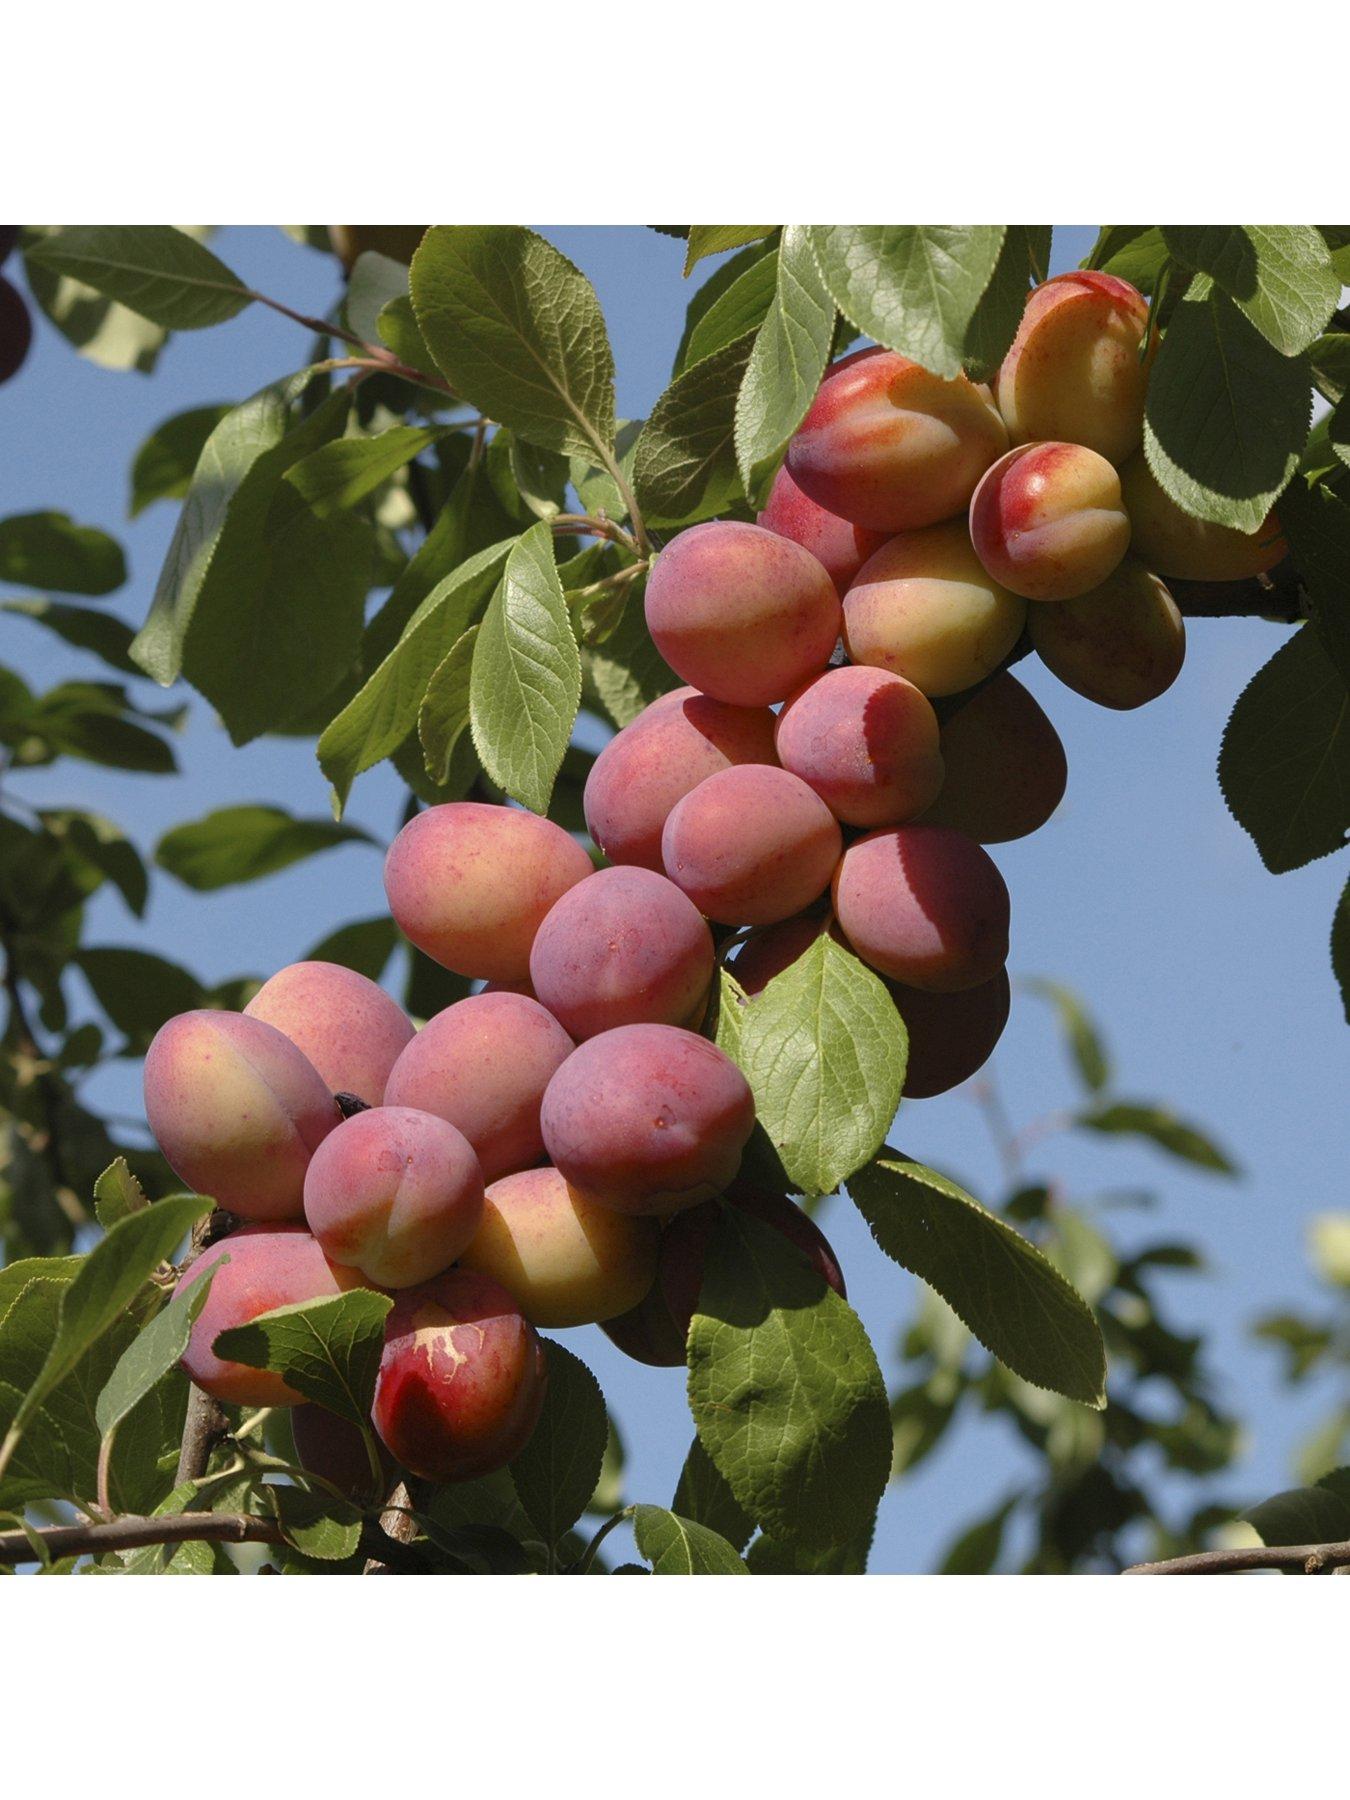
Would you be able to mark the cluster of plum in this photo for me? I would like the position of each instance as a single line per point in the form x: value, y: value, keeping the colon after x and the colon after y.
x: 543, y: 1153
x: 551, y: 1151
x: 16, y: 327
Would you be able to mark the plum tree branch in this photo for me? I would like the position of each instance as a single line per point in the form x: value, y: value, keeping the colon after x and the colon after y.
x: 1295, y: 1559
x: 135, y: 1531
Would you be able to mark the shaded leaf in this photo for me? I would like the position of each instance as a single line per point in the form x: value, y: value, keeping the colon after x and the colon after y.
x: 1009, y: 1295
x: 156, y: 270
x: 715, y: 240
x: 1161, y: 1127
x: 365, y: 945
x: 1279, y: 275
x: 1285, y: 762
x: 1226, y: 415
x: 704, y: 1496
x: 49, y: 550
x: 684, y: 465
x: 117, y: 1194
x: 555, y: 1474
x: 163, y: 466
x: 245, y: 843
x: 340, y: 475
x: 443, y: 717
x: 103, y: 634
x: 374, y: 724
x: 150, y: 1355
x: 785, y: 1390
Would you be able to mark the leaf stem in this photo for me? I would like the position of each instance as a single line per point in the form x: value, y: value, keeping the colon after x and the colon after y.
x: 583, y: 1564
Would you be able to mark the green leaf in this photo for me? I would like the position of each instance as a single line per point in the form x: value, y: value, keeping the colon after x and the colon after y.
x: 555, y: 1474
x: 109, y: 1278
x: 777, y: 1556
x: 715, y: 240
x: 57, y: 1455
x: 1123, y: 1118
x: 260, y: 601
x: 1085, y: 1044
x: 789, y: 357
x: 1340, y: 948
x: 704, y: 1497
x: 117, y: 1194
x: 1001, y: 1287
x: 109, y: 335
x: 1280, y: 275
x: 1330, y: 359
x: 138, y: 990
x: 626, y: 672
x: 676, y: 1546
x: 1316, y: 522
x: 374, y: 282
x: 327, y: 1350
x: 1136, y: 253
x: 316, y: 1524
x: 731, y: 302
x: 156, y: 270
x: 1226, y: 415
x: 399, y: 331
x: 1025, y: 256
x: 443, y: 717
x: 163, y: 466
x: 824, y: 1050
x: 785, y: 1389
x: 82, y: 627
x: 49, y: 550
x: 245, y: 843
x: 365, y: 945
x: 1310, y: 1515
x: 373, y: 724
x: 977, y: 1549
x: 150, y: 1356
x: 525, y: 686
x: 914, y: 288
x: 517, y: 330
x: 1284, y: 766
x: 340, y: 475
x: 684, y: 464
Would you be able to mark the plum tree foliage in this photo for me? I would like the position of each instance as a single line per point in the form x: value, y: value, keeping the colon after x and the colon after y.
x: 657, y: 1005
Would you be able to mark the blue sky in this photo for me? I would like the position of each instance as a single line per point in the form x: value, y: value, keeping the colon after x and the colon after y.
x: 1210, y: 976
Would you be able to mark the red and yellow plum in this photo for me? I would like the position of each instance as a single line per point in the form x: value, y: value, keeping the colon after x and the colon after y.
x: 866, y: 741
x: 924, y: 607
x: 483, y: 1065
x: 751, y: 845
x: 1048, y: 521
x: 469, y: 883
x: 237, y: 1110
x: 925, y: 905
x: 623, y: 947
x: 892, y: 447
x: 347, y: 1025
x: 462, y: 1378
x: 744, y: 615
x: 651, y: 764
x: 394, y: 1193
x: 648, y: 1119
x: 567, y: 1260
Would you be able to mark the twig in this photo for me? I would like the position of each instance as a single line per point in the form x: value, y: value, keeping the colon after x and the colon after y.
x: 398, y: 1526
x: 1299, y: 1559
x: 583, y: 1565
x: 135, y: 1531
x: 206, y: 1424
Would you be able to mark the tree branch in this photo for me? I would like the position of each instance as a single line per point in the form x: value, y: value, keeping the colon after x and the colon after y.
x: 206, y: 1423
x: 135, y: 1531
x: 1297, y: 1559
